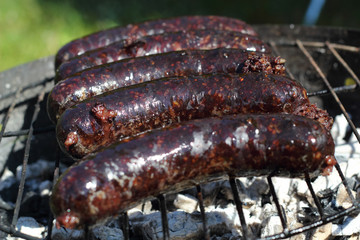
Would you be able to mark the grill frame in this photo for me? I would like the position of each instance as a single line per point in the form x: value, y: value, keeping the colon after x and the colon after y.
x: 38, y: 75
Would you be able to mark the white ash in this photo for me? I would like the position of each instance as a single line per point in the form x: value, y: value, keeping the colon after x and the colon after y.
x: 349, y: 227
x: 187, y: 203
x: 45, y: 188
x: 323, y: 232
x: 7, y: 179
x: 29, y: 226
x: 344, y: 150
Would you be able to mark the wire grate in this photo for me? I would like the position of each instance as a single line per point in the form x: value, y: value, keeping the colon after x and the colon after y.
x: 303, y: 47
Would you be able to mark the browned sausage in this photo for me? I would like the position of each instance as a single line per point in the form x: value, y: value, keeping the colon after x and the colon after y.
x: 158, y: 26
x: 167, y: 42
x: 103, y: 119
x: 169, y: 159
x: 98, y: 80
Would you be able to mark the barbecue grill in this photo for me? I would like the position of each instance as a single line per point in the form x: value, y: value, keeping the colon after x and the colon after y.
x: 324, y: 60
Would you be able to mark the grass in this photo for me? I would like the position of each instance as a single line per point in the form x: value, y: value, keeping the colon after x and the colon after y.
x: 31, y: 29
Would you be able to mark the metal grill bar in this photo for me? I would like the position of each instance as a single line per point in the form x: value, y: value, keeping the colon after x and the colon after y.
x: 26, y: 131
x: 26, y: 87
x: 321, y: 45
x: 342, y: 61
x: 7, y: 116
x: 314, y: 225
x: 164, y: 218
x: 25, y: 160
x: 322, y: 75
x: 55, y: 178
x: 313, y: 194
x: 342, y: 89
x: 202, y: 211
x: 343, y: 181
x: 278, y: 207
x: 238, y: 204
x: 125, y: 226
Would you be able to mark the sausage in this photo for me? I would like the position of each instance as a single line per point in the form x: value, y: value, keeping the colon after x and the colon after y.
x: 170, y: 159
x: 167, y: 42
x: 103, y: 119
x: 131, y: 71
x: 158, y: 26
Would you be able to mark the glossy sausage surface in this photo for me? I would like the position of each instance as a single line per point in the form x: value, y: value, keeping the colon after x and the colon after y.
x: 103, y: 119
x: 196, y: 151
x: 167, y: 42
x: 104, y: 78
x: 158, y: 26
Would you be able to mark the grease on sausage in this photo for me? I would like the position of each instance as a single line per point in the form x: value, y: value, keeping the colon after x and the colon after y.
x: 168, y: 159
x: 98, y: 80
x: 174, y: 41
x: 103, y: 119
x: 158, y: 26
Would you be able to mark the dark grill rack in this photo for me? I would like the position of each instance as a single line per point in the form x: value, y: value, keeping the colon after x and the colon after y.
x: 305, y: 41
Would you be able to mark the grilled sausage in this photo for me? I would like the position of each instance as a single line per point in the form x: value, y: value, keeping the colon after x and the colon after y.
x: 175, y: 41
x: 108, y: 77
x: 105, y: 118
x: 134, y: 31
x: 166, y: 160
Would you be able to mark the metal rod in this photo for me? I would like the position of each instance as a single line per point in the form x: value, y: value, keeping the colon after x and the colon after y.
x: 342, y: 89
x: 26, y: 131
x: 238, y: 205
x: 7, y: 115
x: 346, y: 185
x: 32, y: 85
x: 25, y: 161
x: 316, y: 224
x: 346, y: 47
x: 55, y: 178
x: 278, y: 207
x: 321, y: 44
x: 342, y: 61
x: 313, y: 194
x: 322, y: 75
x: 125, y: 226
x: 202, y: 211
x: 164, y: 218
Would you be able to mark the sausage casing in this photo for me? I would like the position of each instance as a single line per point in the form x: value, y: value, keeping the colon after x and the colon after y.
x: 167, y: 42
x: 98, y: 80
x: 167, y: 159
x: 103, y: 119
x: 134, y: 31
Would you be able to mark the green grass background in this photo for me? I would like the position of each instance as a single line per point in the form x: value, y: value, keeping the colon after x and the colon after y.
x: 31, y: 29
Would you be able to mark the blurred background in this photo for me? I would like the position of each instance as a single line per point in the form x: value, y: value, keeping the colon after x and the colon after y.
x: 31, y: 29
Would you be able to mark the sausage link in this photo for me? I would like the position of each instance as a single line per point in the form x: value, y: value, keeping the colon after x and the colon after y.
x: 103, y: 119
x: 166, y: 160
x: 98, y: 80
x: 167, y: 42
x: 135, y: 31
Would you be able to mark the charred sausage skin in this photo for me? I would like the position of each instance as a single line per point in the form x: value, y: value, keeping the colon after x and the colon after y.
x: 134, y: 31
x: 167, y: 42
x: 98, y: 80
x: 127, y: 111
x: 168, y: 159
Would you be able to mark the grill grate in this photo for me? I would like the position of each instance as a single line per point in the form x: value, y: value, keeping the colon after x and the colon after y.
x: 277, y: 43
